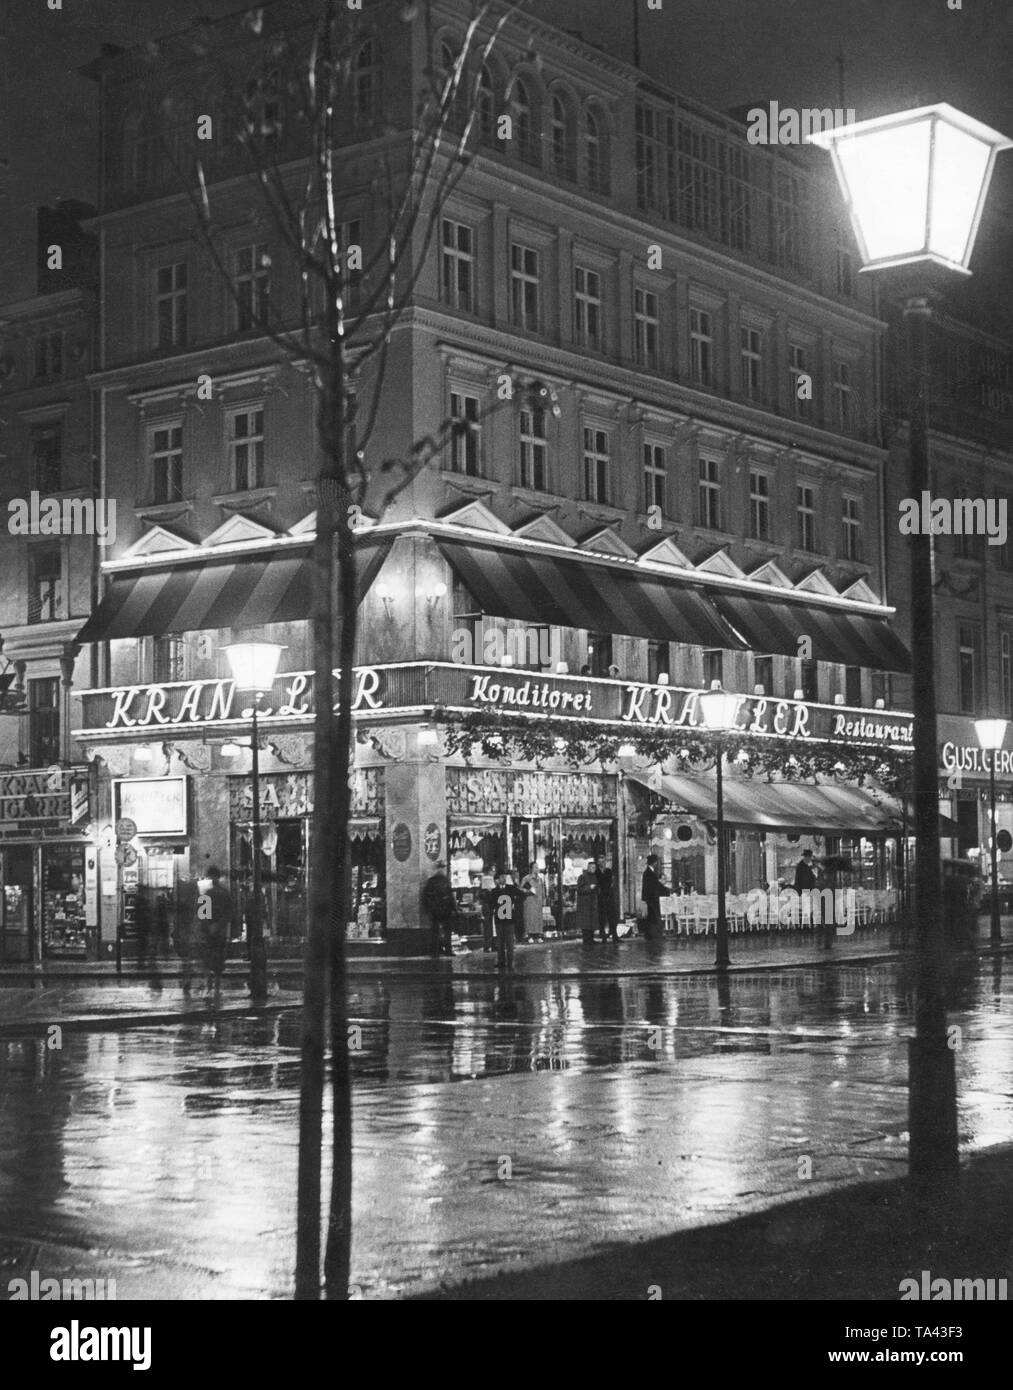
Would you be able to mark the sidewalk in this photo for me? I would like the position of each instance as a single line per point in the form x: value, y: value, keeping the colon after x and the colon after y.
x: 89, y: 995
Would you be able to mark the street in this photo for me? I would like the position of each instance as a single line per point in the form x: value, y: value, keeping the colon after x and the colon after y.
x: 498, y: 1122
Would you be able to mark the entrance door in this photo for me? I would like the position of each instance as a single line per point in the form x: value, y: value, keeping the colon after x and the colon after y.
x: 18, y: 903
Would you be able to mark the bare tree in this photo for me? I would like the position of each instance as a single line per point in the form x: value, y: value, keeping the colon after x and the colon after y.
x: 304, y: 89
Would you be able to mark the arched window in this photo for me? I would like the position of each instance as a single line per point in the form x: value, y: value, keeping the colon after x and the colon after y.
x: 563, y: 152
x: 596, y: 152
x: 366, y: 79
x: 524, y: 124
x: 457, y: 111
x: 486, y: 107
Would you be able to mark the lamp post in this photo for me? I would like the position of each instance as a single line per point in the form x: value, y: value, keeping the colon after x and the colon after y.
x: 991, y: 737
x: 915, y: 184
x: 719, y: 710
x: 254, y: 666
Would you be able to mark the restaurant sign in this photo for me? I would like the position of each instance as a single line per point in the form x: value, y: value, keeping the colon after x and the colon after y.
x: 383, y: 690
x: 44, y: 796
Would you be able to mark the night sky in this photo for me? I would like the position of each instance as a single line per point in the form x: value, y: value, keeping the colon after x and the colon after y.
x: 726, y: 53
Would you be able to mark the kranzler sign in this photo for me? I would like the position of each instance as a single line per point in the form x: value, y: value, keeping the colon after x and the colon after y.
x: 43, y: 796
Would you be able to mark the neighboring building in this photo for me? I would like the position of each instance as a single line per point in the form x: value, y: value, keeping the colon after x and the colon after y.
x: 50, y: 573
x: 658, y: 506
x: 970, y: 457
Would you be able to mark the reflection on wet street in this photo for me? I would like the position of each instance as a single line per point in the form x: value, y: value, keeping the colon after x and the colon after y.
x: 497, y: 1120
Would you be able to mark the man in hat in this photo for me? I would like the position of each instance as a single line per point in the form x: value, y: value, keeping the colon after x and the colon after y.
x: 441, y: 906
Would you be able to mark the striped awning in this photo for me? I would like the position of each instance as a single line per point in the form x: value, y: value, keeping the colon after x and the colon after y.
x: 576, y: 593
x: 767, y: 625
x: 806, y: 807
x: 250, y: 591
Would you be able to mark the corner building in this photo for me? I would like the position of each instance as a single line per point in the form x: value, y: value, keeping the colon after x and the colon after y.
x: 657, y: 506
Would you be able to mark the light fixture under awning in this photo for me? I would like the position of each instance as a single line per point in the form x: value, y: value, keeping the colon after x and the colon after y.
x: 580, y: 594
x: 211, y: 594
x: 849, y: 639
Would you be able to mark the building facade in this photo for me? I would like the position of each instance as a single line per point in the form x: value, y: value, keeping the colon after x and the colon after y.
x: 669, y: 472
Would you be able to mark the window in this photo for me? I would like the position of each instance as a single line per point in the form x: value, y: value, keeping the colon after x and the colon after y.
x: 246, y: 448
x: 457, y: 111
x: 524, y: 124
x: 534, y: 448
x: 709, y: 495
x: 759, y: 505
x: 763, y: 673
x: 597, y: 461
x: 645, y: 328
x: 810, y: 681
x: 751, y: 358
x: 165, y: 452
x: 881, y: 690
x: 48, y: 356
x: 713, y: 667
x: 701, y: 347
x: 458, y: 265
x: 46, y: 445
x: 658, y: 661
x: 486, y: 107
x: 655, y: 476
x: 967, y: 668
x: 44, y: 721
x: 599, y: 653
x: 367, y: 82
x: 797, y: 366
x: 171, y: 305
x: 587, y: 308
x: 252, y: 285
x: 46, y: 589
x: 1006, y: 663
x: 853, y: 685
x: 563, y: 149
x: 524, y: 283
x: 594, y: 147
x: 465, y: 444
x: 168, y: 659
x: 805, y: 537
x: 646, y: 157
x: 842, y: 394
x: 852, y: 523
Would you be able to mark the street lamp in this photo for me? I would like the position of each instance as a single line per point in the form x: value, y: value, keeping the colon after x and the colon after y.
x: 254, y: 667
x: 719, y: 710
x: 915, y: 184
x: 991, y: 737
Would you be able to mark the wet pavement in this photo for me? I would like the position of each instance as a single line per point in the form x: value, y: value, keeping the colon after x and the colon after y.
x: 498, y: 1121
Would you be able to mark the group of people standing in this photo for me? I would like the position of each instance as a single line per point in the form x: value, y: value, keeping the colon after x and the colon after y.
x: 597, y: 908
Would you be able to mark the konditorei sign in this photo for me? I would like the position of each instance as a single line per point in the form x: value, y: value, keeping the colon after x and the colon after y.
x: 429, y: 686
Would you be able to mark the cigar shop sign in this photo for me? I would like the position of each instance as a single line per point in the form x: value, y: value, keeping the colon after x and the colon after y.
x: 43, y: 797
x: 383, y: 690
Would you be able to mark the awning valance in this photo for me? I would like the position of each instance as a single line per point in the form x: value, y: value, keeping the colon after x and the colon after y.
x: 767, y: 625
x: 575, y: 593
x: 823, y: 807
x: 249, y: 591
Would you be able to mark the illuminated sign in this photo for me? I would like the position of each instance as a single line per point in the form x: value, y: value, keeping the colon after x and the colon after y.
x: 965, y: 757
x: 157, y: 805
x: 33, y: 796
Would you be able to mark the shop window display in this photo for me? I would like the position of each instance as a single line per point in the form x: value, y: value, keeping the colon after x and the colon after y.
x: 63, y: 918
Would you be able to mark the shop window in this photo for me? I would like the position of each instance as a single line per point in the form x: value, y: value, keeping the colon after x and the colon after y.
x: 44, y: 721
x: 46, y: 444
x: 763, y: 673
x: 658, y: 661
x: 853, y: 685
x: 599, y: 654
x: 63, y: 909
x: 47, y: 596
x: 967, y: 826
x: 810, y: 680
x: 713, y: 667
x: 968, y: 669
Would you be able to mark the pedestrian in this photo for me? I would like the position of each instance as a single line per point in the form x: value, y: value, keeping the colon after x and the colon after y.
x: 147, y: 947
x: 652, y: 890
x: 184, y: 936
x: 608, y: 909
x: 441, y: 906
x: 534, y: 901
x: 214, y: 916
x: 507, y: 908
x: 805, y: 882
x: 485, y: 898
x: 588, y: 913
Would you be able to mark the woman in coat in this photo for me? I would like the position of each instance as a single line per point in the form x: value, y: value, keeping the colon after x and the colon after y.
x: 587, y: 903
x: 534, y: 900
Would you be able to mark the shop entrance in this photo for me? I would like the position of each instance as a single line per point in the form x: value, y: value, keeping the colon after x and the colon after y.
x: 18, y: 907
x: 283, y: 860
